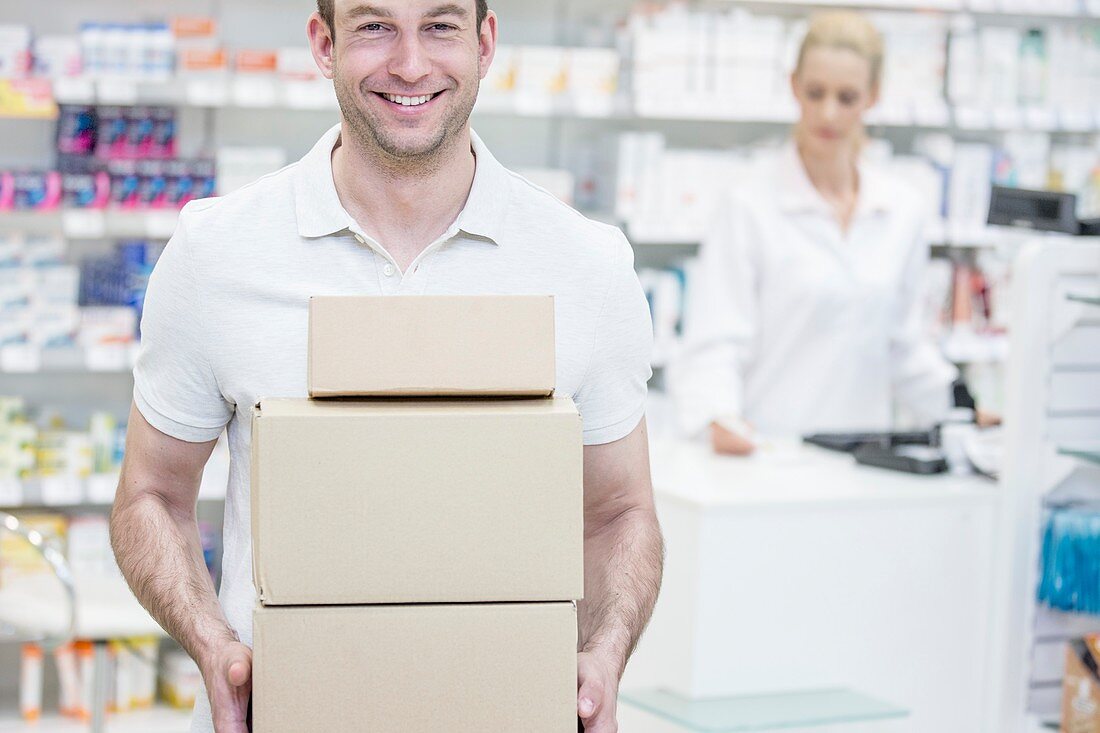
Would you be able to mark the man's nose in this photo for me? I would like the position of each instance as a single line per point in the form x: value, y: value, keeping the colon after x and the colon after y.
x: 410, y: 59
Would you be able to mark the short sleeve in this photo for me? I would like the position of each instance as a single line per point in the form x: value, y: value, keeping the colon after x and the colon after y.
x: 174, y: 385
x: 612, y: 394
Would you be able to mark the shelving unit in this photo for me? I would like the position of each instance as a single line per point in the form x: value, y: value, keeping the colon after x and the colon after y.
x: 1052, y: 447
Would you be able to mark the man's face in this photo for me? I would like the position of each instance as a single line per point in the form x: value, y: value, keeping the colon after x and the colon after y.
x: 406, y: 72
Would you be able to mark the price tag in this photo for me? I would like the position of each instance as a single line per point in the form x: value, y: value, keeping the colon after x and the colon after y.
x: 972, y: 118
x: 931, y: 115
x: 161, y: 224
x: 84, y: 223
x: 207, y: 92
x: 534, y: 105
x: 74, y: 90
x: 1040, y: 118
x: 118, y: 91
x: 20, y: 358
x: 1078, y: 119
x: 11, y: 492
x: 62, y: 490
x: 1007, y: 118
x: 254, y: 90
x: 107, y: 358
x: 102, y: 488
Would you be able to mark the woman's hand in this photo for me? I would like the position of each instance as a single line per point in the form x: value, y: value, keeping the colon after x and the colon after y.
x: 730, y: 443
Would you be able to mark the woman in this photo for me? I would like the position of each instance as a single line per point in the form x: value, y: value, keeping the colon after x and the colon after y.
x: 805, y: 312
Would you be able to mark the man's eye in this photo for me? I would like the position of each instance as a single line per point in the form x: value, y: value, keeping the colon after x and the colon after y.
x: 442, y: 27
x: 371, y: 27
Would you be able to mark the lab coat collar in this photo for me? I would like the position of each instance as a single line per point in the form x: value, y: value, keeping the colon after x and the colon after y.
x: 320, y: 213
x: 798, y: 194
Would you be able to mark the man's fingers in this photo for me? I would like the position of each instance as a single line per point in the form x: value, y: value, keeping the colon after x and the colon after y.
x: 239, y: 667
x: 589, y: 700
x: 238, y: 673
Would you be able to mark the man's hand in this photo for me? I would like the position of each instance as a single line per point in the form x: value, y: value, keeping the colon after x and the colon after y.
x: 597, y: 693
x: 228, y: 677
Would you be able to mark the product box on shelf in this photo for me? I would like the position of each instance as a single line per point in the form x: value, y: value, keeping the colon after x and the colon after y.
x: 431, y: 345
x: 463, y: 668
x: 401, y: 501
x: 1081, y: 685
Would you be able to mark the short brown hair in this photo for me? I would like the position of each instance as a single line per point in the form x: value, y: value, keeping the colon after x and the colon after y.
x: 327, y: 10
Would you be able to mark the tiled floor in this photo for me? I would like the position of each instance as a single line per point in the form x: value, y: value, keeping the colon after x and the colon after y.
x: 158, y: 720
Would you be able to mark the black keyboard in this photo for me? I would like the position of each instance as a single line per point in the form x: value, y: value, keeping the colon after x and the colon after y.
x: 848, y: 442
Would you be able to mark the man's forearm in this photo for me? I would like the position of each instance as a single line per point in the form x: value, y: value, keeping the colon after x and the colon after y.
x: 623, y: 566
x: 160, y: 554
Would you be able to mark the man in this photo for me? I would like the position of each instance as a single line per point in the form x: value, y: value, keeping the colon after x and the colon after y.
x: 400, y: 198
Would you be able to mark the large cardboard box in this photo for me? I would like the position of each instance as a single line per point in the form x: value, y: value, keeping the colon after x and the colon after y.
x: 417, y: 501
x: 499, y: 345
x: 466, y: 668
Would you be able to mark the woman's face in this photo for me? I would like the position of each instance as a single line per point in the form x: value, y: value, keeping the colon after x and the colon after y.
x: 833, y: 89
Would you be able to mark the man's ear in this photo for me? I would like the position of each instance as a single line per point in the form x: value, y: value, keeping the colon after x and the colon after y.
x: 321, y: 43
x: 487, y: 43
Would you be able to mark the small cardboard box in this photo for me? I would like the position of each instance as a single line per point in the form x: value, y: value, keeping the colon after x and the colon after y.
x: 465, y: 668
x: 391, y: 346
x: 1081, y: 687
x: 417, y: 501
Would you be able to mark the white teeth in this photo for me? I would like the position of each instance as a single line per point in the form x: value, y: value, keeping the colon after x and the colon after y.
x: 407, y: 101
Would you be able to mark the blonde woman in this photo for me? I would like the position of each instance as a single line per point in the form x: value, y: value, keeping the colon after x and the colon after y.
x: 805, y: 314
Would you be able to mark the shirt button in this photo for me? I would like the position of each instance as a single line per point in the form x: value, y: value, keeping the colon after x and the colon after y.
x: 389, y: 270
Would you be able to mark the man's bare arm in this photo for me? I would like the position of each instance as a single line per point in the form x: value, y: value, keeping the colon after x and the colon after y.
x: 155, y: 537
x: 623, y: 562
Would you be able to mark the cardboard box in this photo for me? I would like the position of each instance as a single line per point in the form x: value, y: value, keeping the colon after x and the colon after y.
x: 466, y: 668
x: 431, y: 346
x: 1081, y: 687
x: 417, y: 501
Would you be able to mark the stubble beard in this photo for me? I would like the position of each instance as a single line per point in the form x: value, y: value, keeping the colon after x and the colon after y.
x: 370, y: 133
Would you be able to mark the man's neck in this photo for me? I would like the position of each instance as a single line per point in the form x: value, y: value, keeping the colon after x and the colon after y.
x: 405, y: 206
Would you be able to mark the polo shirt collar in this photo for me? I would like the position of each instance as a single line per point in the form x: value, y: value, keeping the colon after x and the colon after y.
x: 798, y: 194
x: 320, y: 213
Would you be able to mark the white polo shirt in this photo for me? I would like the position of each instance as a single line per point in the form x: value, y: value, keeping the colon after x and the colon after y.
x: 225, y: 315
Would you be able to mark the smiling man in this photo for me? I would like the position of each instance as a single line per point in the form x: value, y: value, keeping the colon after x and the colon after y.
x: 400, y: 198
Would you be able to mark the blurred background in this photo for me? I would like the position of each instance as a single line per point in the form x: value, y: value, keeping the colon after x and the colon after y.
x: 933, y: 604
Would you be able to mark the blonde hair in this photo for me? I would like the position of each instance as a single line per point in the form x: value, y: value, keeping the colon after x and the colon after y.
x: 844, y: 29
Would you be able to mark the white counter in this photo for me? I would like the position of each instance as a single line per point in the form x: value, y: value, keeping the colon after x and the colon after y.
x: 798, y: 569
x: 800, y: 475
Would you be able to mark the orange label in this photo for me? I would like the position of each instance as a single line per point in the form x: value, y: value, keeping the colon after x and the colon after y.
x: 256, y: 61
x: 194, y: 26
x: 199, y: 59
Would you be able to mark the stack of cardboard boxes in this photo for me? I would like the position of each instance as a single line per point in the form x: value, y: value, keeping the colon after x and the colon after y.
x: 418, y: 548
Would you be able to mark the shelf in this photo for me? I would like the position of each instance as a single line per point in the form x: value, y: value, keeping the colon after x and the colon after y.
x: 1087, y: 299
x: 159, y: 719
x: 763, y: 712
x: 25, y: 359
x: 985, y: 9
x: 1089, y: 456
x: 243, y: 91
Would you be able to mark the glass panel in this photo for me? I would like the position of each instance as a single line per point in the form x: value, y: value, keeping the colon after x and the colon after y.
x: 762, y: 712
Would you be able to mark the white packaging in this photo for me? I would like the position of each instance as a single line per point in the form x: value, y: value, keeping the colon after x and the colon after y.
x: 57, y: 56
x: 30, y: 683
x: 69, y: 678
x: 15, y: 51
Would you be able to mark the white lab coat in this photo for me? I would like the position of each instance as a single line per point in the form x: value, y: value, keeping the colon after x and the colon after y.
x: 798, y: 327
